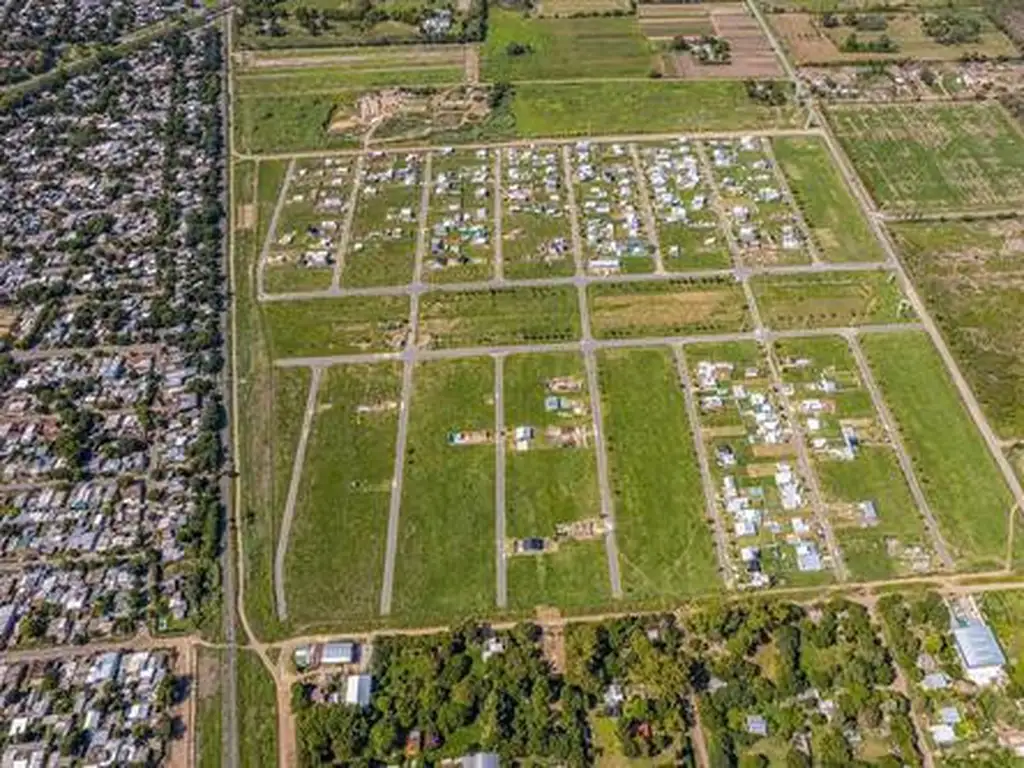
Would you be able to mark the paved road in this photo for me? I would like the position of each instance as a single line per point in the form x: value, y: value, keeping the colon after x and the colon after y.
x: 293, y: 494
x: 261, y: 268
x: 350, y: 215
x: 904, y: 458
x: 541, y: 142
x: 581, y: 278
x: 501, y: 599
x: 710, y: 493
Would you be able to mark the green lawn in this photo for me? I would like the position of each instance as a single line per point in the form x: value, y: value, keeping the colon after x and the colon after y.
x: 287, y: 278
x: 505, y: 316
x: 829, y: 208
x: 830, y: 300
x: 336, y: 555
x: 257, y: 713
x: 667, y: 308
x: 959, y: 476
x: 446, y: 549
x: 336, y: 326
x: 665, y: 542
x: 549, y: 485
x: 969, y: 274
x: 935, y: 157
x: 209, y: 695
x: 561, y: 49
x: 292, y: 122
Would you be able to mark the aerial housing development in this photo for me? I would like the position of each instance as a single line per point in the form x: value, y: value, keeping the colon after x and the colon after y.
x: 538, y: 382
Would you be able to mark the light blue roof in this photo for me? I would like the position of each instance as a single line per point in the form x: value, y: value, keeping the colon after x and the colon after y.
x: 978, y: 646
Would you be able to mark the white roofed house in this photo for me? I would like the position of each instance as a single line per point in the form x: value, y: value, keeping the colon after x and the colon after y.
x: 358, y: 689
x: 982, y: 658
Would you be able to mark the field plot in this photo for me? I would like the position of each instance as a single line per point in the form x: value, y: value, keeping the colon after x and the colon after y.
x: 869, y: 503
x: 309, y: 228
x: 809, y: 41
x: 569, y: 8
x: 664, y: 538
x: 830, y: 300
x: 555, y: 532
x: 336, y: 552
x: 519, y: 47
x: 445, y: 561
x: 750, y: 52
x: 765, y: 227
x: 830, y: 211
x: 825, y: 6
x: 293, y: 122
x: 498, y: 317
x: 760, y: 490
x: 935, y: 157
x: 332, y: 326
x: 959, y: 477
x: 461, y: 217
x: 689, y: 230
x: 615, y: 238
x: 667, y: 308
x: 382, y: 247
x: 970, y: 276
x: 535, y: 236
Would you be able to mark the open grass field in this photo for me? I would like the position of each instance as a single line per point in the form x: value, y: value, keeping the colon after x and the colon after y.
x: 336, y: 326
x: 969, y: 275
x: 1004, y: 612
x: 567, y: 8
x: 935, y: 157
x: 958, y: 475
x: 547, y: 485
x: 895, y: 544
x: 445, y: 562
x: 829, y: 208
x: 665, y: 542
x: 667, y: 308
x: 257, y: 712
x: 562, y: 49
x: 209, y: 694
x: 291, y: 122
x: 286, y: 278
x: 808, y: 41
x: 328, y: 80
x: 500, y: 316
x: 336, y: 552
x: 830, y: 300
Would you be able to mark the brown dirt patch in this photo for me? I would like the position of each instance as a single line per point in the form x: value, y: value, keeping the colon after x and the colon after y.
x: 246, y: 217
x: 208, y: 674
x: 752, y: 54
x: 666, y: 309
x: 771, y: 452
x: 735, y: 431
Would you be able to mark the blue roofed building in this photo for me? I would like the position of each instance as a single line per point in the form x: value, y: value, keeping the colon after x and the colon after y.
x: 979, y: 652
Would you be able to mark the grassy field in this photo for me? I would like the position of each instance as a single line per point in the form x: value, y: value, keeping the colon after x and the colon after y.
x: 829, y: 208
x: 335, y: 326
x: 935, y: 157
x: 290, y: 123
x: 873, y: 474
x: 958, y: 475
x: 1004, y: 610
x: 829, y: 300
x: 667, y: 308
x: 209, y: 695
x: 257, y: 712
x: 969, y: 274
x: 665, y: 542
x: 509, y: 316
x: 328, y: 80
x: 336, y: 554
x: 287, y: 278
x: 445, y: 564
x: 547, y: 485
x: 558, y: 49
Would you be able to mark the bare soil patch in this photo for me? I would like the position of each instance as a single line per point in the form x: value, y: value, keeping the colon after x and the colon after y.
x: 246, y: 216
x: 653, y: 309
x: 751, y: 52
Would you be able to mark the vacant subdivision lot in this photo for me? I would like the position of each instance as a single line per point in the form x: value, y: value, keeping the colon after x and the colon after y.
x: 830, y: 300
x: 809, y: 41
x: 867, y: 496
x: 665, y: 541
x: 959, y: 476
x: 969, y: 274
x: 831, y: 212
x: 667, y: 308
x: 445, y: 558
x: 528, y: 48
x: 923, y: 158
x: 336, y: 326
x: 552, y: 494
x: 335, y: 558
x: 498, y: 317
